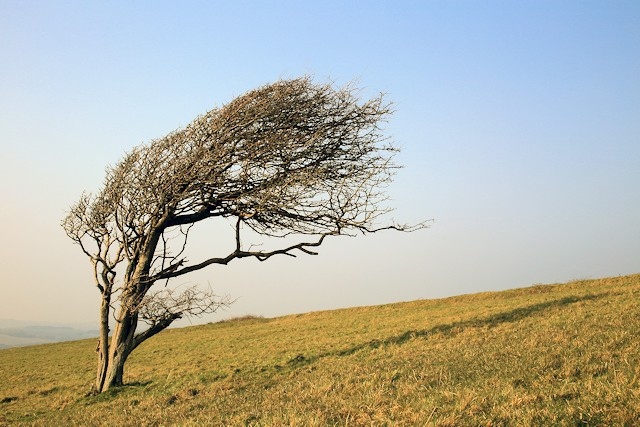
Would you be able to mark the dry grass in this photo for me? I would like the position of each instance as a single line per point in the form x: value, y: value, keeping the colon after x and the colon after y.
x: 546, y: 355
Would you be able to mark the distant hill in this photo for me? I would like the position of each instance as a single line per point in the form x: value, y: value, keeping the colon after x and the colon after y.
x: 564, y: 355
x: 15, y: 333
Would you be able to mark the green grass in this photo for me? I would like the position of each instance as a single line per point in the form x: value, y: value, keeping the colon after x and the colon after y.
x: 546, y: 355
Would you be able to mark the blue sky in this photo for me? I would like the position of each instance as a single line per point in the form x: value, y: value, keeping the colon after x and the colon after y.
x: 519, y: 124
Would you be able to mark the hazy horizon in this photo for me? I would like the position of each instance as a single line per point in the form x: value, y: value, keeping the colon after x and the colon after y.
x: 519, y: 124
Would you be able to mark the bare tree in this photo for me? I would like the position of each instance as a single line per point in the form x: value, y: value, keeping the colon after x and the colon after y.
x: 293, y: 159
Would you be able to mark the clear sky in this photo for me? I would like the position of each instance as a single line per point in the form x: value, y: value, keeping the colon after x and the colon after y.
x: 519, y: 123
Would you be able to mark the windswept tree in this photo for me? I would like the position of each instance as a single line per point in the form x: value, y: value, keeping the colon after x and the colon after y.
x: 294, y: 160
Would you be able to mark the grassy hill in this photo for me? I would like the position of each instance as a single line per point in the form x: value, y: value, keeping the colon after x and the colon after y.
x: 546, y: 355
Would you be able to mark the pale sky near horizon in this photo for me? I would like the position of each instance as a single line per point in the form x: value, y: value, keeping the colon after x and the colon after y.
x: 519, y: 123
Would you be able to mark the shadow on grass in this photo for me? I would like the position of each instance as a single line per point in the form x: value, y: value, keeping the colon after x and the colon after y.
x: 92, y: 397
x: 452, y: 328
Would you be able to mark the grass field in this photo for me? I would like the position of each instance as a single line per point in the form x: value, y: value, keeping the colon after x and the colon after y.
x: 565, y: 355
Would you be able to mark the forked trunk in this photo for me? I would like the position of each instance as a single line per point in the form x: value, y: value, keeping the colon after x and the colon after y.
x: 112, y: 356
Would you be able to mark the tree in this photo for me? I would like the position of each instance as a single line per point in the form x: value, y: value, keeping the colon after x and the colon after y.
x: 293, y: 160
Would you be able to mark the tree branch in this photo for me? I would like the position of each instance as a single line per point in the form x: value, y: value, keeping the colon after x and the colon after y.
x: 236, y: 254
x: 191, y: 218
x: 160, y: 309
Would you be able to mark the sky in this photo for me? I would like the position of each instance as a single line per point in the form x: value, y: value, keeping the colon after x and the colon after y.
x: 519, y: 124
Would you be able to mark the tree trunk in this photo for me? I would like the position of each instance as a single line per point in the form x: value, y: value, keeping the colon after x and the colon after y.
x: 112, y: 356
x: 103, y: 339
x: 115, y: 372
x: 103, y: 345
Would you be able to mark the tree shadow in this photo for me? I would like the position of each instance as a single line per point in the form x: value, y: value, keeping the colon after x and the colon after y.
x: 92, y: 396
x: 451, y: 329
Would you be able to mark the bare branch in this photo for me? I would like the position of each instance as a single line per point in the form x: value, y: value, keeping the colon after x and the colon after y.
x: 159, y: 309
x: 237, y: 254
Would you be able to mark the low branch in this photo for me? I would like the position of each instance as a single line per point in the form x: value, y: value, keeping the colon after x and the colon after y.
x: 160, y: 309
x: 154, y: 329
x: 237, y: 254
x: 265, y: 255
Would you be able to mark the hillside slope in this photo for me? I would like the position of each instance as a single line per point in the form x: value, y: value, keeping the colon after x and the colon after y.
x: 545, y: 355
